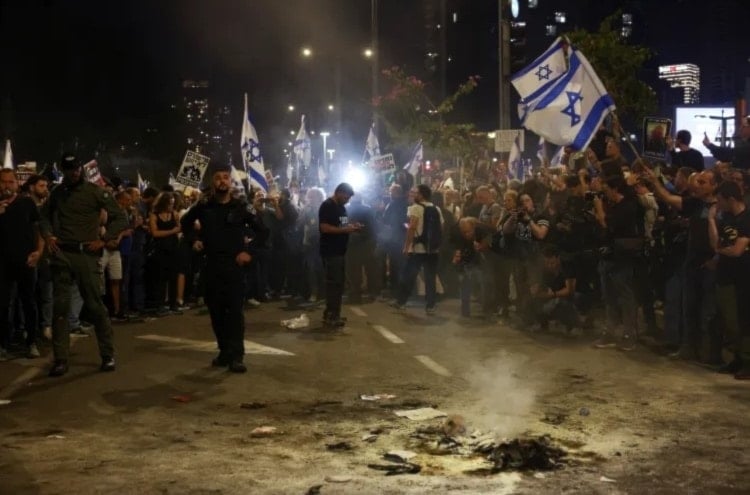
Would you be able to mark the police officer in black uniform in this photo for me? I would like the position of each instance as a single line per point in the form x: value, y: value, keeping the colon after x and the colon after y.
x: 227, y: 226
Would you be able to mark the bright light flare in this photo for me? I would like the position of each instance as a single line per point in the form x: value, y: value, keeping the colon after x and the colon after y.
x: 290, y: 108
x: 357, y: 178
x: 307, y: 52
x: 368, y: 53
x: 330, y: 108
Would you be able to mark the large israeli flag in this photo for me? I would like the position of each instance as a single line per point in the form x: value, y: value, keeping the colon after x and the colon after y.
x: 572, y: 110
x: 302, y: 149
x: 251, y: 156
x: 416, y: 159
x: 536, y: 78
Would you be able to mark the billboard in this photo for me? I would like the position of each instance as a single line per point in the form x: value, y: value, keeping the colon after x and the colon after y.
x: 700, y: 120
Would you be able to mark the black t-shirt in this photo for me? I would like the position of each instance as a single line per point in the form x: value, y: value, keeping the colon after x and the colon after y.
x: 334, y: 214
x: 731, y: 227
x: 17, y: 230
x: 623, y: 219
x: 691, y: 158
x: 556, y: 281
x: 699, y: 245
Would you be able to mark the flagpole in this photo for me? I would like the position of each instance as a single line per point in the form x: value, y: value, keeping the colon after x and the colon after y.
x: 627, y: 136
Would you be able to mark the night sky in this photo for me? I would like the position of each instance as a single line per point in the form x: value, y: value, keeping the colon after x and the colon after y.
x: 103, y: 69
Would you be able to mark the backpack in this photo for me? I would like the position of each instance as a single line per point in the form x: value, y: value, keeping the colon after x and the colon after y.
x: 432, y: 230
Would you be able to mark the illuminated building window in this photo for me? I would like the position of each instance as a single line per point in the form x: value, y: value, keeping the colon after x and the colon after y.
x: 455, y: 17
x: 533, y: 4
x: 551, y: 30
x: 560, y: 17
x: 627, y: 19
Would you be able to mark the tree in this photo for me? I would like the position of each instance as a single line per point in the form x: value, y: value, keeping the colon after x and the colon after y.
x: 408, y: 115
x: 618, y: 65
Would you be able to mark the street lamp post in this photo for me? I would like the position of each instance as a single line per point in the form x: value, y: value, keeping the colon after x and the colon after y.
x: 325, y: 135
x: 374, y: 55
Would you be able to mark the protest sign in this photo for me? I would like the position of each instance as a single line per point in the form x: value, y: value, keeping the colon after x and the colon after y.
x: 383, y: 162
x: 192, y: 170
x: 92, y: 174
x: 655, y: 132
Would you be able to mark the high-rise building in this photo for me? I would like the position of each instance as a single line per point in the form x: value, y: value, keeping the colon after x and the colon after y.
x: 208, y: 127
x: 685, y: 76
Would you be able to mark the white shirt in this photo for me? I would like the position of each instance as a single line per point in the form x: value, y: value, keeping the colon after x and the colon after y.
x: 417, y: 210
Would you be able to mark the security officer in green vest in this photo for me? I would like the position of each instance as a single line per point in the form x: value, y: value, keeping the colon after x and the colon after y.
x: 71, y: 227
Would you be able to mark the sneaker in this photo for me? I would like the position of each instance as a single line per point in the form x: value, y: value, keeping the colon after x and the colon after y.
x: 604, y: 342
x: 33, y: 352
x: 59, y: 367
x: 334, y: 322
x: 108, y: 364
x: 253, y: 302
x: 430, y: 311
x: 78, y: 332
x: 730, y: 368
x: 220, y: 361
x: 626, y: 343
x: 743, y: 373
x: 47, y: 333
x: 181, y: 306
x: 120, y: 318
x: 237, y: 367
x: 174, y: 310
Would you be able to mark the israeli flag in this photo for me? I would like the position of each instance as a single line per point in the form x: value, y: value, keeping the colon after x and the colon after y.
x: 539, y: 76
x: 142, y: 184
x: 572, y: 110
x: 302, y: 151
x: 557, y: 157
x: 515, y: 161
x: 8, y: 158
x: 416, y: 159
x: 372, y: 145
x: 252, y: 159
x: 541, y: 151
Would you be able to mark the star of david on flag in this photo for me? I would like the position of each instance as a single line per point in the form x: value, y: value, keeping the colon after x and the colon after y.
x: 572, y: 110
x: 252, y: 159
x: 541, y: 74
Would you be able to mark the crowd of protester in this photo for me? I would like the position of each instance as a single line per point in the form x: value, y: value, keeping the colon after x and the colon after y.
x: 597, y: 246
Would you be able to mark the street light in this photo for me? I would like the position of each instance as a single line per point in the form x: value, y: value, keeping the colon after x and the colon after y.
x: 324, y: 135
x: 330, y: 108
x: 307, y: 52
x: 290, y: 108
x: 368, y: 53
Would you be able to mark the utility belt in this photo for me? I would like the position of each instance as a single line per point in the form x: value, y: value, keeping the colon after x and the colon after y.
x: 75, y: 247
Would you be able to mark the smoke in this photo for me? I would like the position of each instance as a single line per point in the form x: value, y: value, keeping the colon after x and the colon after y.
x: 503, y: 396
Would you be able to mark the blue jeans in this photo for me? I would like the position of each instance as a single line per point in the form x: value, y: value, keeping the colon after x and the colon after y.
x: 468, y: 276
x: 414, y: 263
x: 76, y: 305
x: 619, y: 297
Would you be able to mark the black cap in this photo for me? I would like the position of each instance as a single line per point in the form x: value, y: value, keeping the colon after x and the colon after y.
x: 344, y: 188
x: 69, y: 161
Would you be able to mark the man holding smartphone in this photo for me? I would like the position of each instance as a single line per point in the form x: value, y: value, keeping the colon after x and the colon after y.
x: 334, y: 237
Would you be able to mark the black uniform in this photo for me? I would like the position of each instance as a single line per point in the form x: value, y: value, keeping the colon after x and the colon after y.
x: 225, y: 231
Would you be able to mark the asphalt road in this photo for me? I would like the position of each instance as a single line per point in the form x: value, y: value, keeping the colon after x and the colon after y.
x: 166, y: 422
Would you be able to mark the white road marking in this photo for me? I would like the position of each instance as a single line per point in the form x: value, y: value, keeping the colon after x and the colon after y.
x: 210, y: 346
x: 358, y: 311
x: 389, y: 336
x: 20, y: 382
x: 433, y: 366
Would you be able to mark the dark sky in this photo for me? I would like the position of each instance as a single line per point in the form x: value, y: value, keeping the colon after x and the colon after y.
x: 102, y: 67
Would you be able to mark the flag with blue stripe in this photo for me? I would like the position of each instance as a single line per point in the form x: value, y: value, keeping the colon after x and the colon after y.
x: 536, y: 78
x: 572, y: 110
x: 251, y: 156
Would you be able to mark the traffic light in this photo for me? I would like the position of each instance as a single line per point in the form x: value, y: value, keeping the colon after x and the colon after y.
x: 517, y: 45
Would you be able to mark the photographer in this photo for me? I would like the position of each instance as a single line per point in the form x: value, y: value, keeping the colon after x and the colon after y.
x: 620, y: 218
x: 470, y: 258
x: 577, y: 234
x: 528, y: 229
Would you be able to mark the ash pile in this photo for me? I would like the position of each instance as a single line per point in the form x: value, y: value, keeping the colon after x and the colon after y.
x: 520, y: 454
